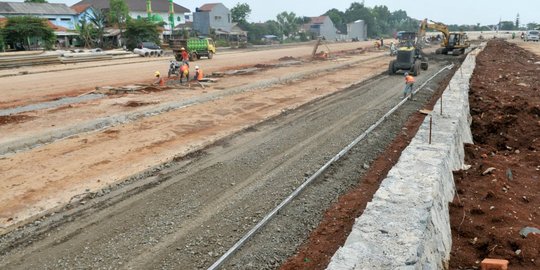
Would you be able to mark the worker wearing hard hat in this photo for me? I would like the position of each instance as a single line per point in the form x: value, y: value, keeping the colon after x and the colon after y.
x: 199, y: 74
x: 185, y: 56
x: 158, y: 79
x: 409, y: 85
x: 184, y: 72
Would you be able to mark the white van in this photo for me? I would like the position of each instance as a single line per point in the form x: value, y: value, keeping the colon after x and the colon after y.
x: 532, y: 35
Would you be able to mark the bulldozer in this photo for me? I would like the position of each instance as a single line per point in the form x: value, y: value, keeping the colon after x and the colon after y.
x: 452, y: 43
x: 409, y: 56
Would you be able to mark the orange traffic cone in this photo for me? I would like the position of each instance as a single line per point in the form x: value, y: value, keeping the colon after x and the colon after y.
x: 162, y: 82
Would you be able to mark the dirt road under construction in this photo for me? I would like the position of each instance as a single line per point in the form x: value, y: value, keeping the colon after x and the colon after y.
x: 170, y: 179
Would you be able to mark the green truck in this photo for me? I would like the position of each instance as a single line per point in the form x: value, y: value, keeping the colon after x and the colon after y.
x: 196, y: 48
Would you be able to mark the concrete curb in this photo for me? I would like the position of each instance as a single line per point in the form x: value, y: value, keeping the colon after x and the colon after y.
x: 21, y: 144
x: 407, y: 224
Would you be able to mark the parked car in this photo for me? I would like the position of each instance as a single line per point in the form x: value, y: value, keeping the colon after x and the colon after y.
x: 147, y: 49
x: 149, y: 45
x: 532, y: 35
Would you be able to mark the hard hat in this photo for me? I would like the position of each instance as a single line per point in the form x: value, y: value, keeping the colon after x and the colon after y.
x: 196, y: 67
x: 156, y: 73
x: 406, y: 74
x: 182, y: 49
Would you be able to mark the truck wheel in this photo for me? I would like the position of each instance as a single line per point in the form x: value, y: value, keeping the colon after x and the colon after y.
x: 424, y: 65
x: 193, y: 56
x: 391, y: 69
x: 210, y: 55
x: 416, y: 69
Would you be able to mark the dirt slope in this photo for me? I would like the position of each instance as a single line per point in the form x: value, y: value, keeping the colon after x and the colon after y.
x: 500, y: 194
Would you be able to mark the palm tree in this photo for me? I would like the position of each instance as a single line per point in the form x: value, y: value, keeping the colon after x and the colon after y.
x: 99, y: 20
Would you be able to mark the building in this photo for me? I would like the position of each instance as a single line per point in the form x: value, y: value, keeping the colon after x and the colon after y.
x: 322, y: 27
x: 357, y: 30
x: 214, y: 16
x: 137, y: 10
x: 58, y: 14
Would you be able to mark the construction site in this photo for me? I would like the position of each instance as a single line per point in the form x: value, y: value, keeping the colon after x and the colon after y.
x: 298, y: 156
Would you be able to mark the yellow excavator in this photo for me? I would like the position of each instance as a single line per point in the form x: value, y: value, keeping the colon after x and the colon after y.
x: 454, y: 43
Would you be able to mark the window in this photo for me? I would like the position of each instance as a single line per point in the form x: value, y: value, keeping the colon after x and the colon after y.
x: 52, y: 19
x: 65, y: 19
x: 186, y: 17
x: 217, y: 18
x: 179, y: 18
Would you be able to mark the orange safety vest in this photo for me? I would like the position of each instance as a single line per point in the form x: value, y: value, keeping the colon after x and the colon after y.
x: 200, y: 75
x: 183, y: 68
x: 409, y: 79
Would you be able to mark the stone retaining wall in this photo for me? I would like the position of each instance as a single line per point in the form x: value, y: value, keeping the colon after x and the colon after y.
x: 407, y: 224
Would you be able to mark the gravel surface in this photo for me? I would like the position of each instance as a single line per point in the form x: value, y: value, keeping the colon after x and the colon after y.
x: 200, y: 206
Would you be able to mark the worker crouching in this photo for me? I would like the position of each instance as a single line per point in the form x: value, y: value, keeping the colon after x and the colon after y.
x: 184, y: 72
x: 158, y: 79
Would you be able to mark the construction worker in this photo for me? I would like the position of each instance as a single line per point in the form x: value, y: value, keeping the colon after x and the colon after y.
x: 185, y: 56
x: 184, y: 72
x: 199, y: 74
x: 157, y: 75
x: 409, y: 85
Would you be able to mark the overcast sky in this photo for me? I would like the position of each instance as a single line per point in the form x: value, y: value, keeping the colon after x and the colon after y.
x: 449, y: 12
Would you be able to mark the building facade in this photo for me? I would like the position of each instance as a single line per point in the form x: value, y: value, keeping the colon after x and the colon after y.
x: 57, y: 14
x: 357, y: 30
x: 212, y: 16
x: 322, y: 27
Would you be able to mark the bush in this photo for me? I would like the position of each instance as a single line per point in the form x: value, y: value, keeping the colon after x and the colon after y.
x: 222, y: 43
x: 25, y: 31
x: 140, y: 30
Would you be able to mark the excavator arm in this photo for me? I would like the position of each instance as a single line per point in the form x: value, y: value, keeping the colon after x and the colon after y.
x: 441, y: 27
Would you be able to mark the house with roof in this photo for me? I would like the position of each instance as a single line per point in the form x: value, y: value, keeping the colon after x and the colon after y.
x: 214, y: 16
x: 137, y: 10
x: 322, y: 27
x: 59, y: 15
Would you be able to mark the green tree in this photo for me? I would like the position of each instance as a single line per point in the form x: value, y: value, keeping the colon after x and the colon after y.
x: 338, y: 18
x: 288, y: 23
x: 35, y: 1
x: 140, y: 30
x: 506, y: 25
x: 533, y: 26
x: 118, y: 15
x: 87, y: 32
x: 2, y: 43
x: 240, y: 13
x: 100, y: 21
x: 23, y: 30
x: 357, y: 11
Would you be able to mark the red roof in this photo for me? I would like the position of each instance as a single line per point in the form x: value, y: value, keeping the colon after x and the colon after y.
x: 3, y: 22
x: 80, y: 8
x: 318, y: 20
x: 208, y: 7
x: 56, y: 27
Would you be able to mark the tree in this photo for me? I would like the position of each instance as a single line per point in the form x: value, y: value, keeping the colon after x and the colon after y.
x: 338, y: 18
x: 22, y: 30
x: 357, y: 11
x: 240, y: 13
x: 506, y: 25
x: 140, y: 30
x: 87, y: 32
x: 35, y: 1
x: 118, y: 14
x: 533, y: 26
x: 288, y: 23
x: 99, y: 20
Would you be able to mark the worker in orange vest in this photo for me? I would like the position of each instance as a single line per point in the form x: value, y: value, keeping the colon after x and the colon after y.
x: 184, y: 72
x: 409, y: 85
x: 199, y: 75
x: 159, y: 80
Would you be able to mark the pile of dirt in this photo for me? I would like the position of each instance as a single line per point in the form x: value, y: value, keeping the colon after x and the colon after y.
x: 9, y: 119
x: 500, y: 194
